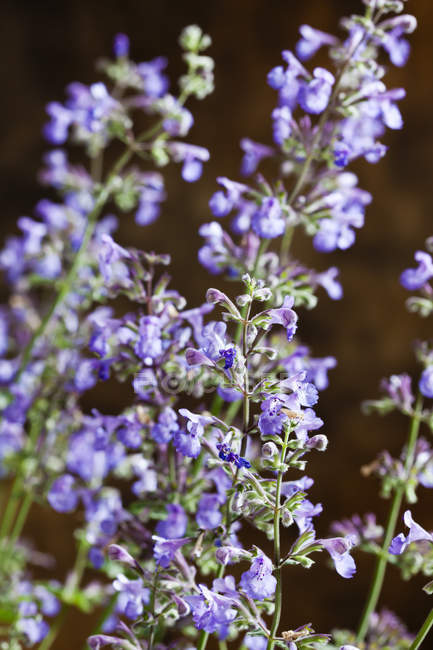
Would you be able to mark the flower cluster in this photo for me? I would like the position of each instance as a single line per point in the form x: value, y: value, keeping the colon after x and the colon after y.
x: 165, y: 489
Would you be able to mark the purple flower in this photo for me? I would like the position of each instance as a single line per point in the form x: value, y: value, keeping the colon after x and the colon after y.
x: 155, y: 83
x: 272, y: 419
x: 56, y: 131
x: 339, y: 550
x: 269, y: 222
x: 211, y: 611
x: 328, y: 280
x: 225, y: 453
x: 192, y: 157
x: 258, y: 582
x: 151, y: 195
x: 229, y: 356
x: 163, y: 430
x: 314, y: 96
x: 35, y: 630
x: 416, y: 534
x: 413, y: 279
x: 62, y: 495
x: 223, y: 202
x: 49, y: 604
x: 426, y: 382
x: 174, y: 526
x: 397, y: 47
x: 188, y: 442
x: 399, y: 388
x: 112, y: 262
x: 311, y: 41
x: 208, y: 514
x: 132, y: 596
x: 281, y: 124
x: 285, y: 316
x: 254, y: 152
x: 119, y: 554
x: 317, y: 371
x: 121, y: 45
x: 165, y: 549
x: 149, y: 344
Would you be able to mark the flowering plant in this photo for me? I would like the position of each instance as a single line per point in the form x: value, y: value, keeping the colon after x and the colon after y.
x: 222, y: 416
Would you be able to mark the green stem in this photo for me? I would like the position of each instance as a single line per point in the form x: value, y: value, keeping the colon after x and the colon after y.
x: 12, y: 506
x: 285, y: 245
x: 204, y: 636
x: 382, y: 559
x: 277, y: 548
x: 425, y: 629
x: 21, y: 518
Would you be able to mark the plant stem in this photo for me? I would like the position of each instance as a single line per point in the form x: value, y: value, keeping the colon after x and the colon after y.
x: 12, y: 506
x: 425, y: 629
x: 204, y: 636
x: 277, y: 547
x: 382, y: 559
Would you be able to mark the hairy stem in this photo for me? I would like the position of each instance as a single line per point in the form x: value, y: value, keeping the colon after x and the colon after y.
x: 382, y: 559
x: 277, y: 547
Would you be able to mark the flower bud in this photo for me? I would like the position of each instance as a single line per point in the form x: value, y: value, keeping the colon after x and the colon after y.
x: 119, y: 554
x: 286, y: 518
x: 197, y: 358
x: 319, y: 442
x: 214, y: 296
x: 269, y: 450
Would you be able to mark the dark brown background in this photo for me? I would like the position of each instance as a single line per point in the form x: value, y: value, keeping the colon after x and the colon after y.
x: 44, y: 45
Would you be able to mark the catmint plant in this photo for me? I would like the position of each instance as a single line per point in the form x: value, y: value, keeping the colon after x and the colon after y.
x: 223, y: 412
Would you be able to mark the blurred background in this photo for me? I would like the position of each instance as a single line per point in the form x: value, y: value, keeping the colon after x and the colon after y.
x: 45, y: 45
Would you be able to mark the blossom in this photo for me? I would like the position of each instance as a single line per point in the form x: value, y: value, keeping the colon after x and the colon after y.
x: 281, y: 124
x: 132, y: 596
x: 165, y: 549
x: 165, y: 427
x: 113, y: 262
x: 62, y: 495
x: 208, y: 513
x: 121, y: 45
x: 254, y: 152
x: 285, y: 316
x: 416, y: 534
x: 314, y: 96
x: 149, y: 344
x: 413, y: 279
x: 268, y: 221
x: 192, y: 157
x: 229, y: 356
x: 311, y: 41
x: 339, y: 550
x: 188, y: 442
x: 258, y: 582
x: 174, y: 525
x: 426, y: 382
x: 399, y: 388
x: 212, y: 612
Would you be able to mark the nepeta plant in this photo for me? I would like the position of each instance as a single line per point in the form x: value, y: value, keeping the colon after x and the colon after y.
x: 217, y: 435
